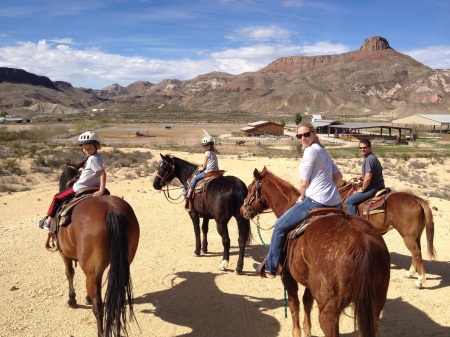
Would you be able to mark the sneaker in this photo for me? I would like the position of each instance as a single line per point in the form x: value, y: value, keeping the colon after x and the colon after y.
x: 42, y: 222
x: 270, y: 275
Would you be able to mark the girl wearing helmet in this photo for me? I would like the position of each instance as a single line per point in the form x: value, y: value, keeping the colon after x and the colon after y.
x: 210, y: 163
x: 92, y: 175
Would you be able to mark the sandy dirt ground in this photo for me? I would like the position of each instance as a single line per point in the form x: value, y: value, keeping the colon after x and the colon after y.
x: 177, y: 294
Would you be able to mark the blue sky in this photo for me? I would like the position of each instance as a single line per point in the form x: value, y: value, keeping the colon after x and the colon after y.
x: 96, y: 43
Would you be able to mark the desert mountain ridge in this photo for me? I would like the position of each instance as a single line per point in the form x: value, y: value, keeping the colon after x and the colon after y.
x: 372, y: 81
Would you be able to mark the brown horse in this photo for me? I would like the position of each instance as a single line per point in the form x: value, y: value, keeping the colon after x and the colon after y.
x: 104, y: 231
x: 339, y: 259
x: 409, y: 215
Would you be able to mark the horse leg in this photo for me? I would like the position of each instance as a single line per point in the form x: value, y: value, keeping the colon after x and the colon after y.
x: 222, y: 229
x: 416, y: 263
x: 94, y: 291
x: 294, y: 304
x: 244, y: 238
x: 329, y: 318
x: 205, y: 229
x: 70, y: 273
x: 196, y: 223
x: 308, y: 302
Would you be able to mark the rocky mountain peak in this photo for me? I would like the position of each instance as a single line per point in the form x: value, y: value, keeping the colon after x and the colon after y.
x: 374, y: 43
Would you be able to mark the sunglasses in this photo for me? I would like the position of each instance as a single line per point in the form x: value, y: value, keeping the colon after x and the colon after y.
x: 306, y: 135
x: 363, y: 148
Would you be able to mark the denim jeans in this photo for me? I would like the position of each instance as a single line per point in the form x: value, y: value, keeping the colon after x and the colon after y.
x: 288, y: 221
x: 198, y: 177
x: 356, y: 198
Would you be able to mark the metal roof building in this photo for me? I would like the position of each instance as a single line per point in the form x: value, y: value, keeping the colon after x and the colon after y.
x: 434, y: 122
x: 354, y: 129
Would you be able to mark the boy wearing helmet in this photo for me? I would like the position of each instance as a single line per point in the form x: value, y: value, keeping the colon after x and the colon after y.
x: 92, y: 175
x: 210, y: 163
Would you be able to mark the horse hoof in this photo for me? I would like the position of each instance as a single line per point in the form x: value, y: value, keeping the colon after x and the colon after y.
x: 417, y: 285
x: 223, y: 265
x: 408, y: 275
x: 238, y: 272
x: 195, y: 255
x: 88, y: 300
x: 72, y: 303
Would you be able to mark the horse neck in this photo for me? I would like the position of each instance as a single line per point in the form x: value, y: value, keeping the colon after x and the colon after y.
x: 68, y: 174
x: 280, y: 195
x: 183, y: 169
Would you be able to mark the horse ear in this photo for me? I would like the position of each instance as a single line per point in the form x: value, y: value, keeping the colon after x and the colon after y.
x: 256, y: 173
x: 162, y: 157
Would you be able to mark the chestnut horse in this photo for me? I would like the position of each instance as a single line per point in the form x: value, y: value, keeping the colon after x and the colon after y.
x: 409, y: 215
x: 223, y: 199
x: 103, y: 231
x: 339, y: 259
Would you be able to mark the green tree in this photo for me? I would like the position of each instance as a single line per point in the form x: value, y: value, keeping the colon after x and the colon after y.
x: 298, y: 118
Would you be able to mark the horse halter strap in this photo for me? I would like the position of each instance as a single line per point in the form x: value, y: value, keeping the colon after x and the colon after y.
x: 256, y: 195
x: 169, y: 175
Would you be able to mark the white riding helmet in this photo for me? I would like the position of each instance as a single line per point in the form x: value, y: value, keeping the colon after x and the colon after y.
x: 208, y: 140
x: 89, y: 137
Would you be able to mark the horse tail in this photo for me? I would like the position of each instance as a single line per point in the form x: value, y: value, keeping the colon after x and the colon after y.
x: 119, y: 288
x: 367, y: 293
x: 429, y: 227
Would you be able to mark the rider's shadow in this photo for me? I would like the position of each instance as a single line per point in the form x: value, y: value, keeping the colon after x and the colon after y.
x: 193, y: 300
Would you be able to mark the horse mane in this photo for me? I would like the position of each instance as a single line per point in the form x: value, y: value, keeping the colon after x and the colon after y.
x: 183, y: 162
x: 69, y: 174
x: 287, y: 194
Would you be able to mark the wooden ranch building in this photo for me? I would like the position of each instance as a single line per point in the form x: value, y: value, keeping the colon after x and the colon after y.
x: 259, y: 128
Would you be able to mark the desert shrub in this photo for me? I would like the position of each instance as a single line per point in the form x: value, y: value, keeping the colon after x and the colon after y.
x: 417, y: 165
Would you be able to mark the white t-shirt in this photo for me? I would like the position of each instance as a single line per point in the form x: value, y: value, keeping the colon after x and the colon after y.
x: 317, y: 168
x: 212, y: 164
x: 89, y: 176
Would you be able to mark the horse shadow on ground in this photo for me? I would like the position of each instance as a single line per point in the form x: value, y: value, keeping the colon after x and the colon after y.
x: 402, y: 319
x: 434, y: 270
x: 193, y: 300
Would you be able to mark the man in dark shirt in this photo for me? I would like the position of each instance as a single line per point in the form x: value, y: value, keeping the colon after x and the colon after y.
x: 372, y: 178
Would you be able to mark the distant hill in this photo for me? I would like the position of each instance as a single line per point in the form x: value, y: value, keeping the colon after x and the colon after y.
x: 373, y: 82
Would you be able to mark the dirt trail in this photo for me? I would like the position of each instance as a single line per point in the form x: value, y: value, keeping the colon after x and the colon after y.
x: 177, y: 294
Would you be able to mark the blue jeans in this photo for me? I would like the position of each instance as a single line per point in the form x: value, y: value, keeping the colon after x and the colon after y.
x: 356, y: 198
x: 197, y: 177
x: 288, y: 221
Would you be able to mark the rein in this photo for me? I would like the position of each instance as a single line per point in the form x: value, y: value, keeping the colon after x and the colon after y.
x: 171, y: 199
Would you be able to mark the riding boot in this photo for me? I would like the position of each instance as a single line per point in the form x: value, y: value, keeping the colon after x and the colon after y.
x: 189, y: 194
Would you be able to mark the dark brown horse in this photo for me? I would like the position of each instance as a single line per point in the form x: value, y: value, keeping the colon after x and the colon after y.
x: 339, y: 259
x: 409, y: 215
x: 223, y: 199
x: 104, y: 231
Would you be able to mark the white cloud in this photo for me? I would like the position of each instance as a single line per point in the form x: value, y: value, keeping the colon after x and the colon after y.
x: 292, y: 3
x: 261, y: 33
x: 66, y: 40
x: 93, y: 68
x: 436, y: 57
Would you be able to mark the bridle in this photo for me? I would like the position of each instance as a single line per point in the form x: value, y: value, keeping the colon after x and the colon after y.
x: 169, y: 175
x: 255, y: 196
x: 166, y: 179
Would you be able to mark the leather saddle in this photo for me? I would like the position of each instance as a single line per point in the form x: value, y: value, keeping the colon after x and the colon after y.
x: 374, y: 205
x: 313, y: 215
x: 64, y: 213
x: 201, y: 186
